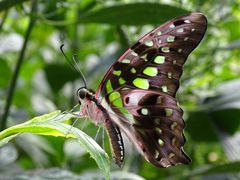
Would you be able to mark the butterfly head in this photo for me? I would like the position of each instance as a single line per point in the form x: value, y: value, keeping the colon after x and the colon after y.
x: 83, y: 93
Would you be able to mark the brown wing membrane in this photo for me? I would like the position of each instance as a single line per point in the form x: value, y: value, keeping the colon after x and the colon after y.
x: 141, y: 86
x: 158, y: 126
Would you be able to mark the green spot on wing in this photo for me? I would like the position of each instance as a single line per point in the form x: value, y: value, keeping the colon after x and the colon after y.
x: 174, y: 125
x: 169, y: 75
x: 168, y: 111
x: 115, y: 99
x: 109, y: 87
x: 121, y: 81
x: 159, y: 59
x: 126, y: 61
x: 160, y: 142
x: 180, y: 30
x: 113, y: 96
x: 144, y: 111
x: 141, y: 83
x: 170, y: 39
x: 118, y: 103
x: 117, y: 73
x: 164, y: 89
x: 150, y: 71
x: 133, y: 70
x: 165, y: 49
x: 125, y: 111
x: 148, y: 43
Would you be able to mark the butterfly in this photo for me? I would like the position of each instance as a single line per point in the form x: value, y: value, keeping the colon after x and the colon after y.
x: 137, y: 94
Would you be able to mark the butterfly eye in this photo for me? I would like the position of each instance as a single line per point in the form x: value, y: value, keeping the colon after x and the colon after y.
x: 82, y: 93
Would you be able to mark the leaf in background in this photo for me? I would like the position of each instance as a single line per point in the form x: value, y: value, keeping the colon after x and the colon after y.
x: 125, y: 175
x: 86, y: 6
x: 37, y: 150
x: 226, y: 98
x: 59, y: 74
x: 222, y: 110
x: 41, y: 174
x: 231, y: 167
x: 232, y: 45
x: 227, y: 120
x: 232, y: 32
x: 8, y: 155
x: 57, y: 173
x: 52, y: 125
x: 200, y: 127
x: 6, y: 4
x: 54, y: 10
x: 133, y: 14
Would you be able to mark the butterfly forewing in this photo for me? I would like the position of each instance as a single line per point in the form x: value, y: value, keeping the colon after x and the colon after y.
x: 156, y: 60
x: 141, y: 85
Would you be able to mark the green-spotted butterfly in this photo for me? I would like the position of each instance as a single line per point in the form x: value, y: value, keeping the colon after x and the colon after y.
x: 137, y: 94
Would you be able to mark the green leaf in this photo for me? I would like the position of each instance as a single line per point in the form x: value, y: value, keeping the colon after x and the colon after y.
x: 232, y: 167
x: 200, y: 127
x: 226, y: 97
x: 224, y: 109
x: 230, y: 26
x: 133, y: 14
x: 6, y: 4
x: 63, y: 73
x: 52, y: 124
x: 227, y: 119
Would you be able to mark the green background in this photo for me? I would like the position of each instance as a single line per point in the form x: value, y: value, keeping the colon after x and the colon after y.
x: 98, y: 32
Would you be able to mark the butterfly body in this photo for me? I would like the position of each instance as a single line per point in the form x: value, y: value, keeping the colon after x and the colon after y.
x: 137, y: 94
x: 93, y: 108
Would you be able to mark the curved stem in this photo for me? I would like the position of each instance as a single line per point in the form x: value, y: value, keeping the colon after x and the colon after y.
x: 18, y: 67
x: 123, y: 38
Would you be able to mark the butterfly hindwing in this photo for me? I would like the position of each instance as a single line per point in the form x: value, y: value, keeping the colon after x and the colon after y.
x: 158, y: 126
x: 141, y: 85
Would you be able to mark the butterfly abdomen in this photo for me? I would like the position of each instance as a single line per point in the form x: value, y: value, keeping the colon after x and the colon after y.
x: 94, y: 109
x: 116, y: 141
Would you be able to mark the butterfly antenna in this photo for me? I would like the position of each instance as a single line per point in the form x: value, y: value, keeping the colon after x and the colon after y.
x: 74, y: 67
x: 79, y: 70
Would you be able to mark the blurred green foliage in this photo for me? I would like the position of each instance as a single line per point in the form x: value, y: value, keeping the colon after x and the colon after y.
x: 98, y: 32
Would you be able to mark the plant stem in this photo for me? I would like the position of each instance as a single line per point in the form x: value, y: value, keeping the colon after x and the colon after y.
x: 123, y: 38
x: 13, y: 82
x: 3, y: 19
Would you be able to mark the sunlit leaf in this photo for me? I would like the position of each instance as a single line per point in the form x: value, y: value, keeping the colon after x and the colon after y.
x: 52, y: 125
